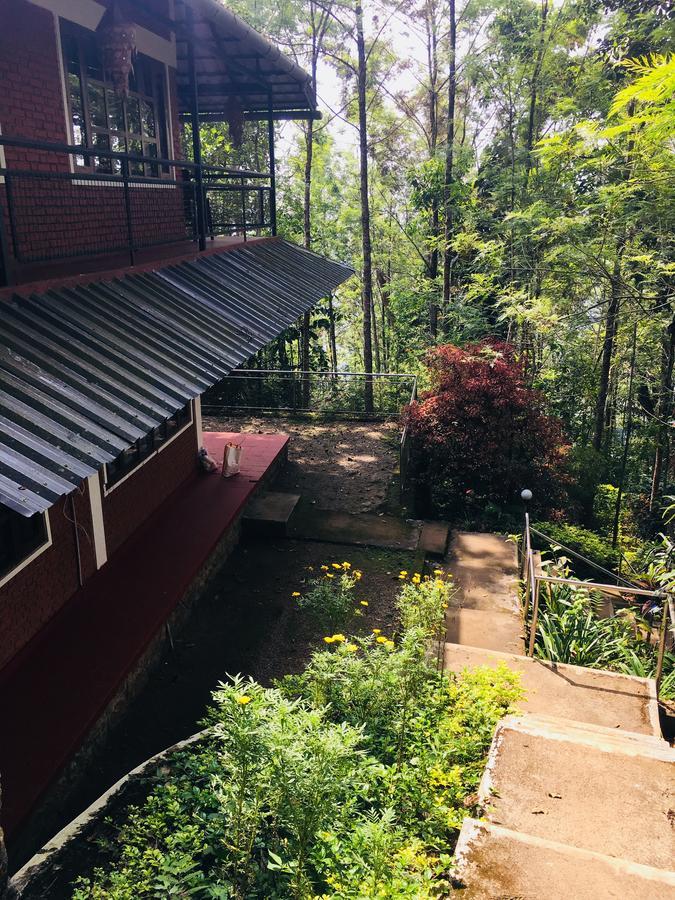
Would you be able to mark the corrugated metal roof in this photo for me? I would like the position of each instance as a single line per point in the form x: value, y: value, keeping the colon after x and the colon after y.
x: 85, y: 371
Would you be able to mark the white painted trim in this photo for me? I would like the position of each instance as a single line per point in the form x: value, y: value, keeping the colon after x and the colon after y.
x: 29, y: 559
x: 108, y: 490
x: 88, y: 14
x: 197, y: 415
x: 92, y: 183
x: 98, y: 525
x: 64, y: 87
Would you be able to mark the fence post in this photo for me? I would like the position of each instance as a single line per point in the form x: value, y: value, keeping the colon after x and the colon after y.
x: 535, y: 616
x: 663, y: 630
x: 5, y: 264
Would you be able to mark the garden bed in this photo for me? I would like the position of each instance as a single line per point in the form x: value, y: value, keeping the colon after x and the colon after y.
x: 350, y: 779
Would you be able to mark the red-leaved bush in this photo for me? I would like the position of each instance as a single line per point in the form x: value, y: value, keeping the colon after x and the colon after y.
x: 480, y: 435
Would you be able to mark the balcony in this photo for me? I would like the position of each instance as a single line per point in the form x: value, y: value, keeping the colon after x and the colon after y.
x: 66, y: 210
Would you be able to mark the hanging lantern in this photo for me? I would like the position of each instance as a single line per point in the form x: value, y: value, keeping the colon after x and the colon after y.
x: 117, y: 39
x: 234, y: 115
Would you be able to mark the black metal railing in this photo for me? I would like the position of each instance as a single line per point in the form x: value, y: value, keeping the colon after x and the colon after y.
x: 336, y: 394
x: 59, y: 201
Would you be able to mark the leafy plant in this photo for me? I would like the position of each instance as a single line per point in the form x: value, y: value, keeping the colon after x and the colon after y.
x: 481, y: 433
x: 330, y: 599
x: 347, y: 781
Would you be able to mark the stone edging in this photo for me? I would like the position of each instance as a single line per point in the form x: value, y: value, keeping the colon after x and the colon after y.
x: 45, y: 856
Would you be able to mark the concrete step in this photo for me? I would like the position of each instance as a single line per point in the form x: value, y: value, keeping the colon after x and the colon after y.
x: 584, y: 695
x: 496, y: 863
x: 485, y: 571
x: 489, y: 630
x: 590, y: 788
x: 434, y: 539
x: 270, y: 513
x: 357, y: 529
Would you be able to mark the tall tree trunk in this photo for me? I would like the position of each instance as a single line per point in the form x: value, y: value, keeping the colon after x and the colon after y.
x: 449, y: 154
x: 307, y: 236
x: 432, y: 66
x: 332, y: 342
x: 611, y: 324
x: 534, y: 87
x: 663, y: 411
x: 367, y: 289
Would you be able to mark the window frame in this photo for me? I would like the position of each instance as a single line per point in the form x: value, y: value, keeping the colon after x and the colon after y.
x: 148, y: 447
x: 154, y: 74
x: 32, y: 555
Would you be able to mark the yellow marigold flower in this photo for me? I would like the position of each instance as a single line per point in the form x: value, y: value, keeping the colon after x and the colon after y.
x: 310, y: 568
x: 377, y: 630
x: 364, y: 603
x: 357, y: 574
x: 336, y: 565
x: 351, y: 648
x: 330, y: 575
x: 340, y: 638
x: 242, y: 699
x: 324, y: 568
x: 295, y: 594
x: 390, y: 645
x: 346, y: 565
x: 382, y: 640
x: 403, y: 572
x: 329, y: 640
x: 438, y: 571
x: 416, y: 579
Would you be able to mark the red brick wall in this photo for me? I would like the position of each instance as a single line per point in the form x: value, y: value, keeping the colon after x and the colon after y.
x: 38, y: 591
x: 132, y: 501
x: 53, y: 217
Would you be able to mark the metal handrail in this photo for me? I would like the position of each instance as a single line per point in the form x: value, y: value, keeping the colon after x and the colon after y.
x: 204, y: 186
x: 532, y: 583
x: 83, y: 150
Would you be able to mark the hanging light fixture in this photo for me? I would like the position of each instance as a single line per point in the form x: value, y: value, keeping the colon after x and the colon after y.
x: 234, y: 115
x: 116, y: 35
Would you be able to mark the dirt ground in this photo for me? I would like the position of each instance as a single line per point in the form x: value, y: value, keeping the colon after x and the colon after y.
x: 348, y: 466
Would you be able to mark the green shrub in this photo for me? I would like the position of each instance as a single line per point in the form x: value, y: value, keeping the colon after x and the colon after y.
x: 347, y: 781
x: 583, y: 541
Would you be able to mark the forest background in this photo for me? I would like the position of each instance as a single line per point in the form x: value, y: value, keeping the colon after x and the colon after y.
x: 508, y: 178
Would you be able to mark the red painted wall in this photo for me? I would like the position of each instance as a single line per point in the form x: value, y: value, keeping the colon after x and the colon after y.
x: 31, y: 598
x: 43, y: 587
x: 130, y: 503
x: 55, y: 217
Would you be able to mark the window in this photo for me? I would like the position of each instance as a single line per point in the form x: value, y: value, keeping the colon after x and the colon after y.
x: 135, y: 124
x: 20, y: 537
x: 146, y: 446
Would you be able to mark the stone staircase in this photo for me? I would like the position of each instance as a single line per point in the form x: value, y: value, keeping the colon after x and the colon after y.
x: 578, y: 793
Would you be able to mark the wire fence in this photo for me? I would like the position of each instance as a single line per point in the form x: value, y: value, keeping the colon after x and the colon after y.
x: 335, y: 394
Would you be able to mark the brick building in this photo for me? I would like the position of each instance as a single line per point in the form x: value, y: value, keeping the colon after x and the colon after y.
x: 134, y: 279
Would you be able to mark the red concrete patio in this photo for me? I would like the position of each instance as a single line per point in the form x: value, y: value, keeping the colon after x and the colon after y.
x: 59, y: 685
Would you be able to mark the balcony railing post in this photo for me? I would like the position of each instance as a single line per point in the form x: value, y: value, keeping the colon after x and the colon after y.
x: 243, y: 205
x: 127, y: 210
x: 273, y: 174
x: 5, y: 263
x: 196, y: 135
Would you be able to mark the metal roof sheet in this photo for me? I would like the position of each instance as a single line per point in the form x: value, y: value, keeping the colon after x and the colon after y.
x: 85, y: 371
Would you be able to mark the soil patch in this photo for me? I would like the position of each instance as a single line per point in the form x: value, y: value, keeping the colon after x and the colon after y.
x: 349, y: 466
